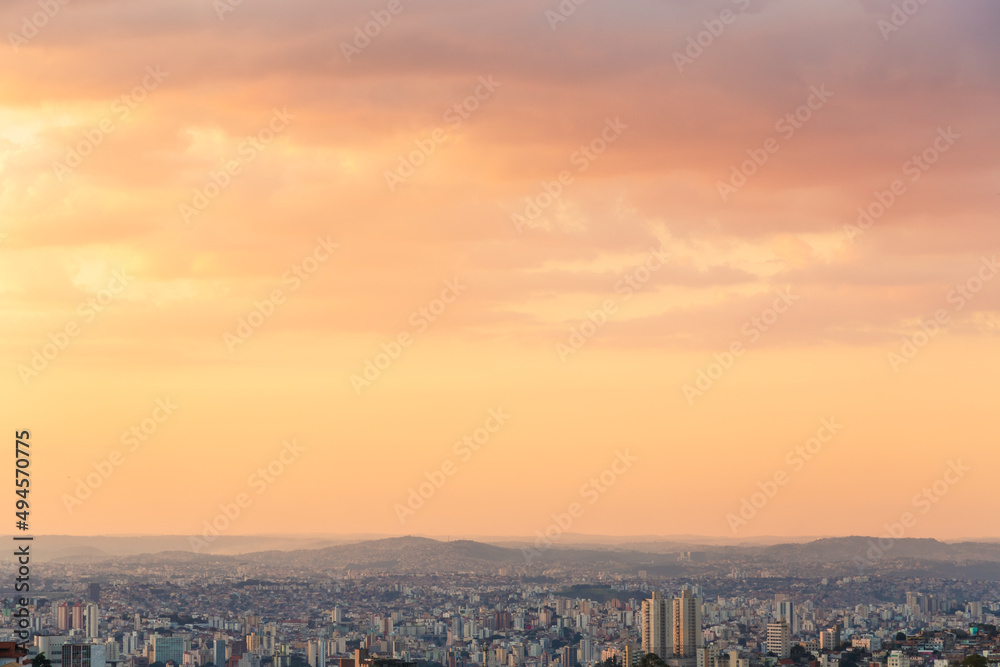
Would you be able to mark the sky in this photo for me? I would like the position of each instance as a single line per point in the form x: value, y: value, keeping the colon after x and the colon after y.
x: 478, y: 267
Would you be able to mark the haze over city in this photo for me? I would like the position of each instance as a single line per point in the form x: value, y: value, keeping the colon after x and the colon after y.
x: 500, y: 333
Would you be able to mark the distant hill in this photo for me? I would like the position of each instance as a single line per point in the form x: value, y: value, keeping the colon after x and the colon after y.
x: 406, y: 555
x: 847, y: 548
x: 69, y: 548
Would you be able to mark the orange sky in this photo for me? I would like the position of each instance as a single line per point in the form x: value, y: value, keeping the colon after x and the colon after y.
x: 168, y: 173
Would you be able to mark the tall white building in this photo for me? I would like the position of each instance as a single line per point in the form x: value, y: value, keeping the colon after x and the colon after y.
x: 785, y: 610
x: 656, y: 632
x: 779, y: 640
x: 317, y: 653
x: 93, y: 621
x: 111, y: 652
x: 51, y: 646
x: 829, y: 640
x: 686, y: 622
x: 671, y: 628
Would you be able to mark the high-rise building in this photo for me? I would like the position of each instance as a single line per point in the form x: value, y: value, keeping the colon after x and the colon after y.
x: 779, y: 640
x: 95, y: 593
x: 707, y: 656
x: 76, y: 617
x: 62, y: 616
x: 656, y: 626
x: 93, y: 619
x: 316, y: 655
x: 586, y: 651
x: 686, y: 622
x: 502, y: 620
x: 672, y: 628
x: 898, y: 659
x: 51, y: 646
x: 830, y: 639
x: 568, y: 656
x: 111, y: 652
x: 630, y: 657
x: 219, y: 653
x: 784, y: 609
x: 83, y: 655
x: 170, y: 648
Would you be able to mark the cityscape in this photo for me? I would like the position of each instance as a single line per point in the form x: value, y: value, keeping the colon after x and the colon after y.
x: 463, y: 603
x: 500, y: 333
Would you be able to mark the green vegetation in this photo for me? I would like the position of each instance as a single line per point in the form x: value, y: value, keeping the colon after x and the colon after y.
x: 651, y: 660
x: 596, y: 593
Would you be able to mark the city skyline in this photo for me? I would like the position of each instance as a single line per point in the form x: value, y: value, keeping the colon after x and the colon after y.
x: 511, y: 333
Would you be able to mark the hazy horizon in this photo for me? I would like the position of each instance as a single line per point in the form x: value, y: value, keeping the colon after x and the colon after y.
x: 564, y: 538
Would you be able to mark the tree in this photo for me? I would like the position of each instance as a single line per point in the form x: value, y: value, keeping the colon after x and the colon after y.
x: 652, y: 660
x: 41, y: 660
x: 900, y: 636
x: 851, y: 658
x: 974, y: 660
